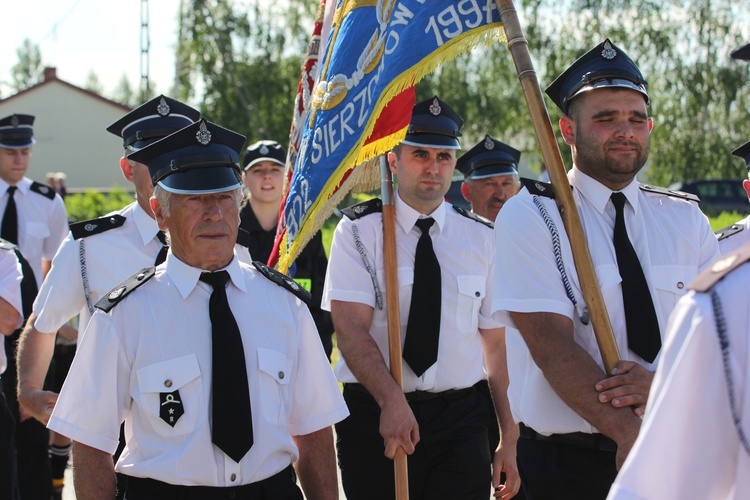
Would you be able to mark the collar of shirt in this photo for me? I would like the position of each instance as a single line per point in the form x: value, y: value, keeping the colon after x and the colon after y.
x: 23, y: 186
x: 147, y: 226
x: 186, y: 277
x: 598, y: 194
x: 406, y: 216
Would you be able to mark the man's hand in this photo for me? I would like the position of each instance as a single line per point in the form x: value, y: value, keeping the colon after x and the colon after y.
x: 628, y: 385
x: 398, y: 427
x: 505, y: 461
x: 37, y: 404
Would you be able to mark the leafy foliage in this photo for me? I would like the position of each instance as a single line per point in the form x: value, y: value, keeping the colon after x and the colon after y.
x: 93, y: 204
x: 28, y: 70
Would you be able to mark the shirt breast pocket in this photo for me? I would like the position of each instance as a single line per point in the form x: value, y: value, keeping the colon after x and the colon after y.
x: 671, y: 283
x: 275, y: 372
x: 471, y: 291
x: 179, y: 374
x: 37, y: 230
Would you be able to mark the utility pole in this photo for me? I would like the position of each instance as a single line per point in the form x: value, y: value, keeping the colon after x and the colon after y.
x: 145, y: 45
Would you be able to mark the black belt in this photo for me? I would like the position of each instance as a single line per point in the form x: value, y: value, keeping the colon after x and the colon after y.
x: 596, y: 442
x: 415, y: 396
x: 261, y: 489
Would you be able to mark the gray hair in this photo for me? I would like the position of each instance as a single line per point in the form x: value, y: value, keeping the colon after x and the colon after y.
x: 163, y: 197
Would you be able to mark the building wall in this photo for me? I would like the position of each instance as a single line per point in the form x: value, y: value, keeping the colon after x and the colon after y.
x: 71, y: 136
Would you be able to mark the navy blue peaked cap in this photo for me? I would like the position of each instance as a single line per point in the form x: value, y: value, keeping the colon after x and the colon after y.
x: 604, y: 66
x: 489, y: 158
x: 743, y: 53
x: 151, y: 121
x: 200, y: 158
x: 264, y: 151
x: 434, y: 124
x: 17, y: 131
x: 744, y: 153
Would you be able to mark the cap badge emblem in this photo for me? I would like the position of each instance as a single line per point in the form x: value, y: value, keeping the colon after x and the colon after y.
x: 435, y: 108
x: 608, y: 52
x: 264, y: 150
x: 162, y: 108
x: 15, y: 121
x: 203, y: 135
x: 489, y: 143
x: 90, y: 227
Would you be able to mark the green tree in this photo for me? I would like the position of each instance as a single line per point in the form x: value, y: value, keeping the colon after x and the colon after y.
x: 93, y: 83
x: 124, y: 93
x: 28, y: 70
x: 243, y: 64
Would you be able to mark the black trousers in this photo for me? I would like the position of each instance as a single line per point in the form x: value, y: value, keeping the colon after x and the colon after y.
x: 8, y: 482
x: 450, y: 461
x: 32, y: 445
x: 551, y: 470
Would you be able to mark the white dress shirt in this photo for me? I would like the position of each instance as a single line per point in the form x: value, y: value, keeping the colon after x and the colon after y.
x: 465, y: 251
x: 673, y: 241
x: 42, y: 223
x: 111, y: 257
x: 732, y: 242
x: 689, y: 446
x: 158, y: 339
x: 10, y: 290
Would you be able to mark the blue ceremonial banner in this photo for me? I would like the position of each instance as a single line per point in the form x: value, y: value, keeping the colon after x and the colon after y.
x: 376, y: 50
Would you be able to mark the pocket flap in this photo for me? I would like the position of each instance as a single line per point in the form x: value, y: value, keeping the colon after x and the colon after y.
x: 170, y: 375
x: 472, y: 286
x: 673, y: 279
x: 275, y: 364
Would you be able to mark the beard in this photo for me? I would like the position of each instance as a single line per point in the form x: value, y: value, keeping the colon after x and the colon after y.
x: 591, y: 157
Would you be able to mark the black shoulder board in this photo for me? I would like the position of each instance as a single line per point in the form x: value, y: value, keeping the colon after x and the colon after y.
x: 365, y: 208
x: 96, y: 226
x: 6, y: 245
x: 708, y: 278
x: 43, y: 189
x: 122, y: 290
x: 243, y: 238
x: 728, y: 231
x: 538, y: 188
x: 283, y: 281
x: 669, y: 192
x: 473, y: 216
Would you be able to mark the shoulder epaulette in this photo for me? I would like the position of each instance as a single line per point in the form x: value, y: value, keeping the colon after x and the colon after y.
x: 728, y: 231
x: 243, y: 238
x: 473, y: 216
x: 283, y: 281
x: 43, y: 189
x: 6, y: 245
x: 96, y: 226
x: 708, y: 278
x: 538, y: 188
x: 669, y: 192
x: 124, y: 289
x: 359, y: 210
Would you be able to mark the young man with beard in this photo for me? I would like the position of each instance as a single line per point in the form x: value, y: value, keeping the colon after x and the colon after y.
x: 577, y: 423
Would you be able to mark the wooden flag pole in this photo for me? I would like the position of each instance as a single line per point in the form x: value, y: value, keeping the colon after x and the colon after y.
x: 392, y: 311
x: 519, y: 49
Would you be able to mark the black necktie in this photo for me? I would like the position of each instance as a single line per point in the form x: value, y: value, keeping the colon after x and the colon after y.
x: 232, y: 427
x: 162, y: 255
x: 640, y: 317
x: 9, y: 229
x: 423, y: 325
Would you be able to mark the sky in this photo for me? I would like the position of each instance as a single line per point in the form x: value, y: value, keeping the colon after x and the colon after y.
x: 103, y: 36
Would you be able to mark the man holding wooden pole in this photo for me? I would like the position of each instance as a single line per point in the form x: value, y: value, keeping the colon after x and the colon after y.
x: 577, y: 422
x: 445, y: 260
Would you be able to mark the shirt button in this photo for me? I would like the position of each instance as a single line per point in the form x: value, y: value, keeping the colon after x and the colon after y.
x: 281, y: 375
x: 167, y: 383
x: 680, y: 285
x: 477, y: 294
x: 233, y: 477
